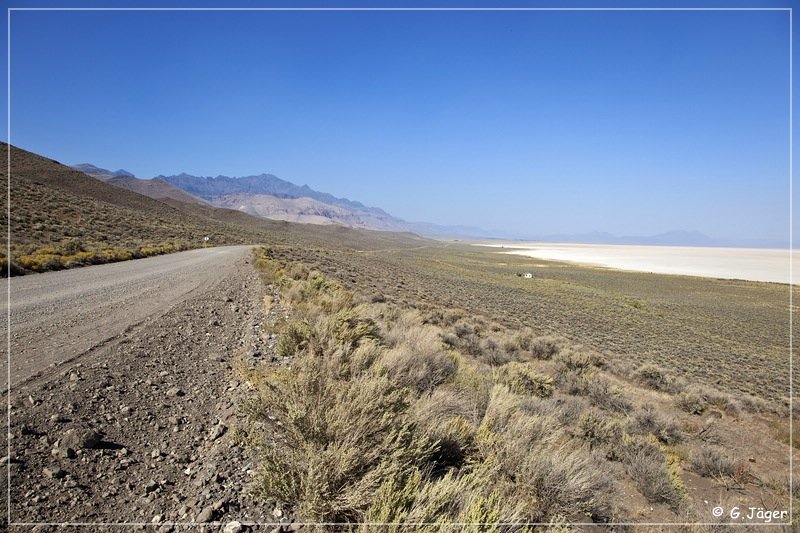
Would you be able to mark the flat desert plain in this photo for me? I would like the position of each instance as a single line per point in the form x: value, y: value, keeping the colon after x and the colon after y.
x: 752, y: 264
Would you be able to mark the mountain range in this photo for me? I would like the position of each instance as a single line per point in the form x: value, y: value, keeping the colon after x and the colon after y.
x: 268, y: 196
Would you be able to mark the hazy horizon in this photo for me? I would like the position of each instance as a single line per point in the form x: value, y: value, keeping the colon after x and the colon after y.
x: 631, y: 123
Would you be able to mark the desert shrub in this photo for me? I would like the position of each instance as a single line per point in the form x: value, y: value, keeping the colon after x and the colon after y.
x: 465, y: 338
x: 565, y: 482
x: 649, y: 421
x: 721, y: 401
x: 348, y: 327
x: 696, y: 400
x: 362, y: 357
x: 658, y: 378
x: 579, y: 360
x: 521, y: 379
x: 573, y: 382
x: 419, y: 362
x: 443, y: 318
x: 474, y: 387
x: 607, y: 396
x: 691, y: 402
x: 336, y: 451
x: 297, y: 271
x: 598, y: 430
x: 294, y: 337
x: 455, y: 442
x: 399, y: 325
x: 712, y: 461
x: 646, y: 465
x: 569, y: 408
x: 492, y: 353
x: 752, y: 404
x: 541, y: 347
x: 509, y: 345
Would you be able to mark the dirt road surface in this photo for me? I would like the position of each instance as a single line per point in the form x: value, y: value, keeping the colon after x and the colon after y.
x: 124, y: 403
x: 59, y: 316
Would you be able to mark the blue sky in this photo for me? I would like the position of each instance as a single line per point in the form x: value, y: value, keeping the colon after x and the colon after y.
x: 534, y: 122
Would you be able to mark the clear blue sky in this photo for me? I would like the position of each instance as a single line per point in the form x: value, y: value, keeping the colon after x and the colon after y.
x: 541, y: 122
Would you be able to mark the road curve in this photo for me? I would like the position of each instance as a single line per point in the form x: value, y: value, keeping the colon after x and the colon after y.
x: 58, y: 316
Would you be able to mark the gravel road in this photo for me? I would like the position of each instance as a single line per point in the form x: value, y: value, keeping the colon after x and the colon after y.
x: 136, y: 424
x: 57, y: 317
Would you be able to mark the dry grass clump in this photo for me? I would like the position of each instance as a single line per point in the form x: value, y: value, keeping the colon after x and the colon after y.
x: 335, y: 452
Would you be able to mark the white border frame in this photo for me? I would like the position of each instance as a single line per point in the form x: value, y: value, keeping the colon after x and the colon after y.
x: 400, y: 9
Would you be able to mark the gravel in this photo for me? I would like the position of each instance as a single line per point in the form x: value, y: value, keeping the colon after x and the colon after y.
x: 145, y: 429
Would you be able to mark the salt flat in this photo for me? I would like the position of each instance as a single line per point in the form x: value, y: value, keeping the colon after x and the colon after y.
x: 753, y: 264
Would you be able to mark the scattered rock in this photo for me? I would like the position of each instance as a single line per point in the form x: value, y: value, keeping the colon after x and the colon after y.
x: 217, y: 431
x: 53, y: 472
x: 219, y: 504
x: 205, y: 516
x: 82, y: 439
x: 65, y: 451
x: 233, y: 527
x: 175, y: 391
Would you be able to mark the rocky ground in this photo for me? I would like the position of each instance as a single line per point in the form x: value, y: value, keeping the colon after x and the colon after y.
x: 141, y: 432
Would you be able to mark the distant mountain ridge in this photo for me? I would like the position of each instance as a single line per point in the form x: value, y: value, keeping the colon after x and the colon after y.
x: 154, y: 188
x: 210, y: 188
x: 101, y: 173
x: 268, y: 196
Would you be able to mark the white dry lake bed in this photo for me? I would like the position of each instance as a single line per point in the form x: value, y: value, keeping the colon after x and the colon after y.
x: 752, y: 264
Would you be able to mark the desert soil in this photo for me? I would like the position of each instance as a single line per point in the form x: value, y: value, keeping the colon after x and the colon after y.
x: 140, y: 429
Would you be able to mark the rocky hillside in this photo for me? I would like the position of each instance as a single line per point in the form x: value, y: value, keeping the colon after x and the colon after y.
x: 265, y: 184
x: 308, y: 211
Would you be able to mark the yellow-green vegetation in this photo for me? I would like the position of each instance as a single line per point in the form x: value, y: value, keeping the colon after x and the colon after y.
x: 420, y: 418
x: 73, y: 253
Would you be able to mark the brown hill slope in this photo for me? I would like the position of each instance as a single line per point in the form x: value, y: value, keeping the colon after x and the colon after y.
x: 62, y: 218
x: 154, y: 188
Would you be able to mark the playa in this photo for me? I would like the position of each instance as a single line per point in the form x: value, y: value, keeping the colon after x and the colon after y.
x: 752, y: 264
